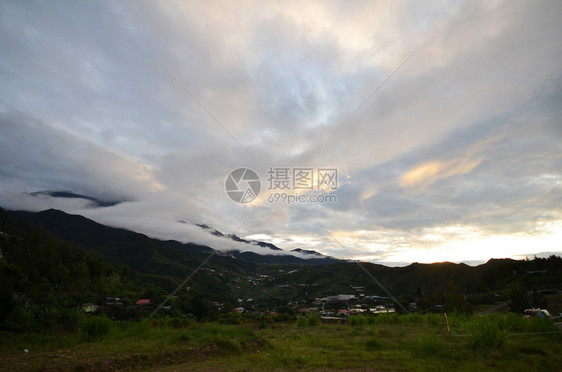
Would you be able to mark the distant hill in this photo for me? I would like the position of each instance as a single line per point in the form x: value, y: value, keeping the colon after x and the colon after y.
x: 47, y: 237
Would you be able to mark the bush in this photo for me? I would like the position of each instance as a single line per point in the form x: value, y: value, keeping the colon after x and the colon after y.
x: 356, y: 320
x: 232, y: 319
x: 311, y: 320
x: 96, y: 327
x: 171, y: 322
x: 70, y: 320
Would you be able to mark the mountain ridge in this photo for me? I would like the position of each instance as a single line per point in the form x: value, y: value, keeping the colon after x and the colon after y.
x: 268, y: 281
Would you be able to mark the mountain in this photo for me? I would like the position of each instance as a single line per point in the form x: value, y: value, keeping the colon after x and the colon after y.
x: 285, y: 259
x: 50, y: 237
x: 138, y: 251
x: 314, y: 258
x: 146, y: 254
x: 308, y: 252
x: 236, y: 238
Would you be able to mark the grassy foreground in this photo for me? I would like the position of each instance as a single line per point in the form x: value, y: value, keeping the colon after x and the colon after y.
x: 411, y: 342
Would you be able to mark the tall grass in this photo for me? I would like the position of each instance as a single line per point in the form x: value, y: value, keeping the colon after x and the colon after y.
x: 428, y: 345
x: 486, y: 333
x: 514, y: 323
x: 537, y: 324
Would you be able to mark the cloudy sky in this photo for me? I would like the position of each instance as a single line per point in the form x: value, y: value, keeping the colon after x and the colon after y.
x: 442, y: 118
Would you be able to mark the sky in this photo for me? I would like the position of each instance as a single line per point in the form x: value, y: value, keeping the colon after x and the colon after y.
x: 441, y: 120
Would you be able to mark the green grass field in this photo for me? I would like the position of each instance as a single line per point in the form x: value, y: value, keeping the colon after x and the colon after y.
x: 393, y: 342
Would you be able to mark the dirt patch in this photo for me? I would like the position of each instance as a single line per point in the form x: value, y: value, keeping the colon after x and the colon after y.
x: 69, y: 360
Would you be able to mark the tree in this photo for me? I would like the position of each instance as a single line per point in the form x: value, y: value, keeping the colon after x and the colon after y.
x: 7, y: 303
x: 518, y: 298
x: 454, y: 300
x: 125, y: 274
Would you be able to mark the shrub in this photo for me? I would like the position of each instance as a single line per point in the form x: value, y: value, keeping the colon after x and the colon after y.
x: 70, y: 320
x: 313, y: 320
x: 301, y: 322
x: 233, y: 319
x: 356, y: 320
x: 96, y: 327
x: 180, y: 322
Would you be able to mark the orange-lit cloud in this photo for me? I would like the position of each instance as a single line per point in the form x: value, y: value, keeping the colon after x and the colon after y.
x: 420, y: 177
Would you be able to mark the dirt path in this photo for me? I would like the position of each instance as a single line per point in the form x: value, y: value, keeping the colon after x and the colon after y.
x: 495, y: 308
